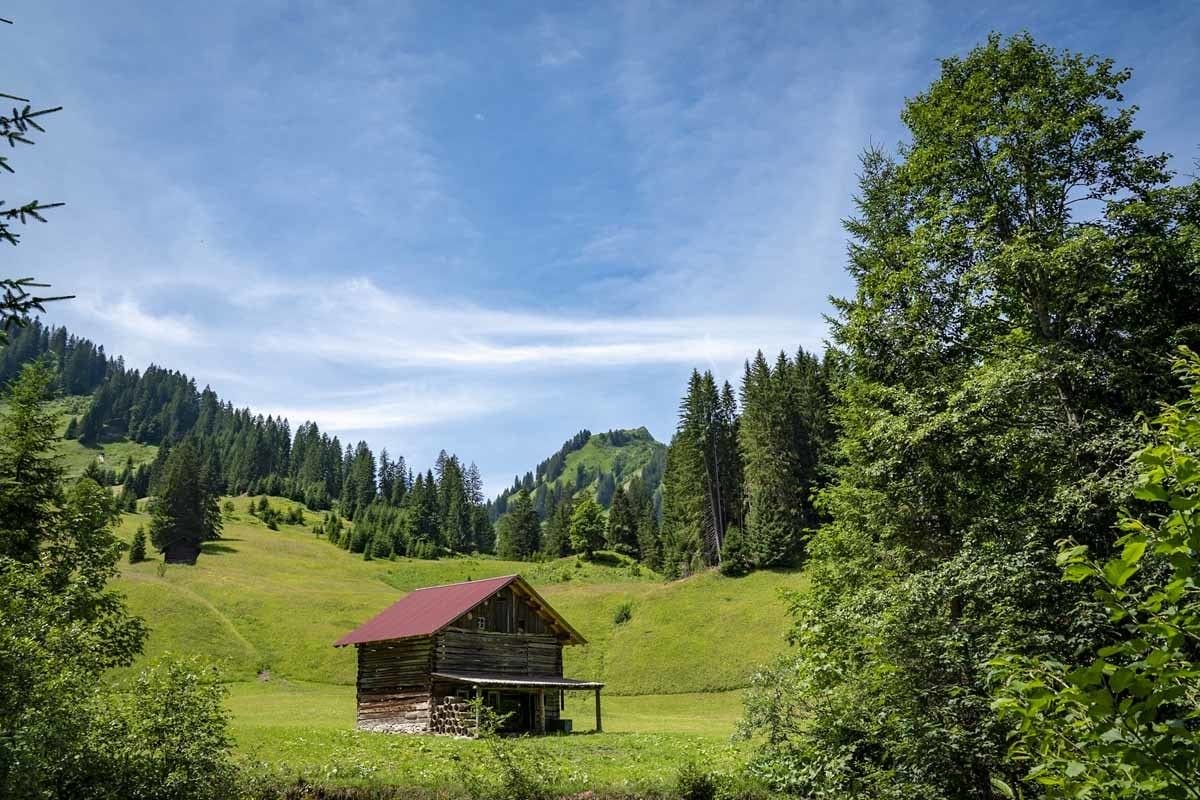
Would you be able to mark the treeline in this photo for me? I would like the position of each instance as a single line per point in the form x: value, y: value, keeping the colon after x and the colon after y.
x: 240, y: 452
x: 80, y: 365
x: 438, y: 512
x: 741, y: 479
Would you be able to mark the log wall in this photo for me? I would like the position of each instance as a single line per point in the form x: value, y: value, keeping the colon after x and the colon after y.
x: 394, y: 691
x: 504, y: 653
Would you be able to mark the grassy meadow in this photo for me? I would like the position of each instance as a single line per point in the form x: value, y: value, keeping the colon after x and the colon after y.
x: 267, y: 605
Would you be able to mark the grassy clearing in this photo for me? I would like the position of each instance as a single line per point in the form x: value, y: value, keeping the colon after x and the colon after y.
x: 633, y: 754
x: 276, y: 600
x: 261, y: 599
x: 76, y: 456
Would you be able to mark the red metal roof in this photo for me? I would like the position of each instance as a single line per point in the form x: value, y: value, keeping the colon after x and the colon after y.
x: 423, y: 612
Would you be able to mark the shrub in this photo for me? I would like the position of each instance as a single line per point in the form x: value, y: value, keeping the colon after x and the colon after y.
x: 624, y: 612
x: 165, y: 737
x: 693, y: 783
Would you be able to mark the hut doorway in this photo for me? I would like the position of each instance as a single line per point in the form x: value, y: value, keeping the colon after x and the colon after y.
x: 518, y: 706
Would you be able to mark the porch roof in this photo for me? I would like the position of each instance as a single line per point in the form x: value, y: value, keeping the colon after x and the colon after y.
x: 530, y: 681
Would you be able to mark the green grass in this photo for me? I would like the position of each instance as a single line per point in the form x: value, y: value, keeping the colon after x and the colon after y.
x: 112, y: 452
x: 276, y: 601
x: 300, y: 729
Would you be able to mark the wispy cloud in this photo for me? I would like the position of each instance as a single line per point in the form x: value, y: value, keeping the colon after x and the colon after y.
x: 395, y: 331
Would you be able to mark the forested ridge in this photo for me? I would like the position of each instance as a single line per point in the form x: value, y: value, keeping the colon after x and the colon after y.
x: 235, y: 451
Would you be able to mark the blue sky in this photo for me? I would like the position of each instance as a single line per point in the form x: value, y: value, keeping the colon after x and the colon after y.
x: 484, y: 226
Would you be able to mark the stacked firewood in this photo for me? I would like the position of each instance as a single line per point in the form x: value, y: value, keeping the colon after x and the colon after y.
x: 453, y: 716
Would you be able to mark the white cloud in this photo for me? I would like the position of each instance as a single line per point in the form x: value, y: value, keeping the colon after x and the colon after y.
x: 399, y: 405
x: 359, y: 323
x: 129, y: 318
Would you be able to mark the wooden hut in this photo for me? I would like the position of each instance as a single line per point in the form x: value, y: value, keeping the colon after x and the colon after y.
x: 424, y: 658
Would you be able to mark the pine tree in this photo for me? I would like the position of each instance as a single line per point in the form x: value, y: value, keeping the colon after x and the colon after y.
x: 518, y: 532
x: 622, y: 532
x: 185, y: 509
x: 137, y: 548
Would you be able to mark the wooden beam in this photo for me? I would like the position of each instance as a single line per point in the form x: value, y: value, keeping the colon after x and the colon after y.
x: 541, y: 710
x: 599, y: 727
x: 479, y: 709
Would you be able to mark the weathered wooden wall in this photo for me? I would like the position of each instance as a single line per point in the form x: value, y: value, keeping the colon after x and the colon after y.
x: 502, y: 653
x: 505, y: 612
x: 394, y: 691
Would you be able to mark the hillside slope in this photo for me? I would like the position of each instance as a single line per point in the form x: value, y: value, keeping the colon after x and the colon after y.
x: 276, y: 600
x: 596, y: 465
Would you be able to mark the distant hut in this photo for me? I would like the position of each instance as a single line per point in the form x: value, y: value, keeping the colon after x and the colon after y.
x: 424, y: 658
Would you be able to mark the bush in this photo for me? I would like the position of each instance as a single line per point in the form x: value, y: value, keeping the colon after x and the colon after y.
x: 165, y: 737
x: 624, y: 612
x: 693, y: 783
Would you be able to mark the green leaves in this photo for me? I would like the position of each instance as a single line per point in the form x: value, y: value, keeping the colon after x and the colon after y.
x: 1123, y: 726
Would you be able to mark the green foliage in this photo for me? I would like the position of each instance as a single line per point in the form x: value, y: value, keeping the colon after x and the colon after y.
x: 623, y: 612
x: 1002, y: 340
x: 587, y: 527
x: 702, y: 481
x: 693, y: 783
x: 736, y: 558
x: 64, y: 733
x: 508, y: 770
x: 518, y: 532
x: 29, y: 469
x: 622, y: 530
x: 783, y: 436
x: 164, y: 736
x: 137, y: 548
x: 1126, y: 723
x: 185, y: 507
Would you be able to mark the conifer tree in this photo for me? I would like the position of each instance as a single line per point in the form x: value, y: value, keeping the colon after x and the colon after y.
x: 137, y: 548
x: 185, y: 509
x: 556, y: 539
x: 518, y: 532
x: 30, y: 473
x: 622, y: 532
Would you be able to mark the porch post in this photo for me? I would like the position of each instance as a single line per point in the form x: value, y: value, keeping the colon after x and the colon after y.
x: 478, y: 709
x: 541, y: 710
x: 599, y: 728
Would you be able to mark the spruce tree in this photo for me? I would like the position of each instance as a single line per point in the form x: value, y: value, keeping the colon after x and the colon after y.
x: 185, y: 509
x: 556, y: 539
x: 622, y: 532
x: 137, y: 548
x: 30, y: 473
x: 518, y: 532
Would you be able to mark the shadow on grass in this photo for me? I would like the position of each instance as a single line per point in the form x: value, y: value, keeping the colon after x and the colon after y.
x: 218, y: 548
